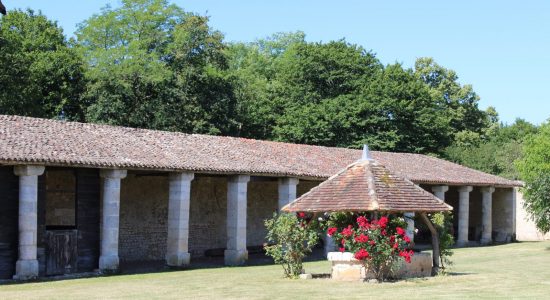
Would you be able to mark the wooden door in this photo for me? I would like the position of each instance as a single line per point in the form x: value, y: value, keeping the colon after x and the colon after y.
x: 61, y: 252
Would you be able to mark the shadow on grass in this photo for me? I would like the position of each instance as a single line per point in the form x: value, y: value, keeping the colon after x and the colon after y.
x: 256, y: 258
x: 460, y: 273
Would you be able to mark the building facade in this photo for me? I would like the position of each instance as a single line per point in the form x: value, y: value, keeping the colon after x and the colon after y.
x: 79, y: 197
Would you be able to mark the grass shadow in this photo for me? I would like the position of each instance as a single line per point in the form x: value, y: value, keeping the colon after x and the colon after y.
x: 459, y: 273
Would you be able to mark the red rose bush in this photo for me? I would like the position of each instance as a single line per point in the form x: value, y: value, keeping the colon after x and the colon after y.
x: 377, y: 244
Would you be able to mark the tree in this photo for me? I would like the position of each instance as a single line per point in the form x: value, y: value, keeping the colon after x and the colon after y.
x: 152, y: 65
x: 534, y: 168
x: 495, y: 154
x: 253, y: 70
x: 41, y: 76
x: 460, y: 101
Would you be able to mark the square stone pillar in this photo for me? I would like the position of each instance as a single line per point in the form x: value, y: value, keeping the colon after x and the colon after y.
x: 27, y: 263
x: 409, y: 218
x: 235, y: 253
x: 287, y: 190
x: 487, y: 215
x: 463, y: 214
x: 177, y: 252
x: 108, y: 260
x: 439, y: 191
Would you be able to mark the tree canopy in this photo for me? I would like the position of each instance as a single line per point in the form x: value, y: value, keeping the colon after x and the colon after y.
x: 534, y: 167
x: 40, y: 74
x: 150, y: 64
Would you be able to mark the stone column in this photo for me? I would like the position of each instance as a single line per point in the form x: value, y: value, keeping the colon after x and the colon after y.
x: 409, y: 218
x: 177, y: 253
x: 439, y: 191
x: 487, y: 215
x: 108, y: 261
x: 463, y: 214
x: 287, y: 190
x: 27, y: 264
x: 235, y: 253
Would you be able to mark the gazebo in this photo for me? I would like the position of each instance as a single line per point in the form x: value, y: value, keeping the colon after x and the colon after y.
x: 367, y: 186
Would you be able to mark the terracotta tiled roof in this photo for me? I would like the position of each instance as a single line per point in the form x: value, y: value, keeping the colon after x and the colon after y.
x: 367, y: 186
x: 57, y: 143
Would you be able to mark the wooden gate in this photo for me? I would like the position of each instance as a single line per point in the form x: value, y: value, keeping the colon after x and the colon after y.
x: 61, y: 252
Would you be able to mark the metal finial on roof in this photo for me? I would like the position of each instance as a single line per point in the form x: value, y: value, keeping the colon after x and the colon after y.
x: 366, y: 153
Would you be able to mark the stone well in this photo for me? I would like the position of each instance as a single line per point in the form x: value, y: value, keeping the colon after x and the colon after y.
x: 346, y: 268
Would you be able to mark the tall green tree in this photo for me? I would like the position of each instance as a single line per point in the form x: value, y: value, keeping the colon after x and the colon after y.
x: 153, y: 65
x: 40, y: 75
x: 253, y: 69
x: 497, y: 153
x: 535, y: 172
x: 460, y: 101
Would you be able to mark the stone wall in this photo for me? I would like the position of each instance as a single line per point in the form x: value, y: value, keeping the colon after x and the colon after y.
x: 525, y: 227
x: 144, y: 212
x: 207, y: 215
x: 60, y: 197
x: 262, y: 203
x: 143, y: 217
x: 344, y: 267
x: 474, y: 231
x: 503, y: 215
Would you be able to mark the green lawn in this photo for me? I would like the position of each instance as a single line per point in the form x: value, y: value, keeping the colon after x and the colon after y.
x: 520, y: 270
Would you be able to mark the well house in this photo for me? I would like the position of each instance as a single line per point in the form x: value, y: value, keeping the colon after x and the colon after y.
x: 78, y: 197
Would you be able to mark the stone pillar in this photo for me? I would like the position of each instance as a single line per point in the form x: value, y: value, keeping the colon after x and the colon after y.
x: 287, y: 190
x: 409, y: 218
x: 235, y: 253
x: 177, y: 253
x: 463, y: 214
x: 108, y: 261
x: 487, y: 215
x: 27, y: 264
x: 439, y: 191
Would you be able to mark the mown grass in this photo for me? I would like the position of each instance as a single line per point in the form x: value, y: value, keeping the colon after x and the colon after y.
x: 519, y: 270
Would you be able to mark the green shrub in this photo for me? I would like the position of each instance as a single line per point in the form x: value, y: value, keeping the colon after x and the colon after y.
x: 290, y: 238
x: 443, y: 222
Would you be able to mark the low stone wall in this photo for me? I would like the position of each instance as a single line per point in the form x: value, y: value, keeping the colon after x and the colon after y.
x: 346, y: 268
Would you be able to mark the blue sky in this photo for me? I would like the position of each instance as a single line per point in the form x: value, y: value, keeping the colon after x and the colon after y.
x: 502, y: 48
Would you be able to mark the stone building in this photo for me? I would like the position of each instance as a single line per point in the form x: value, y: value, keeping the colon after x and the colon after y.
x: 75, y: 197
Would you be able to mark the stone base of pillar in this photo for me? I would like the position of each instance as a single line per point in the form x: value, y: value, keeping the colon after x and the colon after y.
x: 181, y: 259
x: 108, y: 263
x: 26, y: 269
x: 235, y: 257
x: 486, y: 241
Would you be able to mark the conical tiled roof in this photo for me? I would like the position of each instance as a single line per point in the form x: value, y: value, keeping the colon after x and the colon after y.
x: 367, y: 186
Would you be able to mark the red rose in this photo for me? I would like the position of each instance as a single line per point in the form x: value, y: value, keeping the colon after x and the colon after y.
x: 383, y: 232
x: 400, y: 231
x: 342, y: 249
x: 407, y: 239
x: 362, y: 222
x: 331, y: 231
x: 383, y: 222
x: 347, y: 231
x: 372, y: 243
x: 361, y: 254
x: 301, y: 215
x: 392, y: 238
x: 361, y: 238
x: 343, y: 242
x: 395, y: 245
